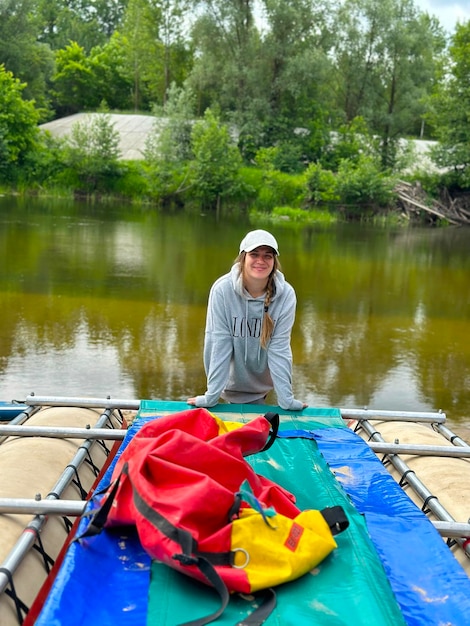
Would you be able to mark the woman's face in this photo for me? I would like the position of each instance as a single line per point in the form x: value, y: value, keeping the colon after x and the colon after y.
x: 259, y: 263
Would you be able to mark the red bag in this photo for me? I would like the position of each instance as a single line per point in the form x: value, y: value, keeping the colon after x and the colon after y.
x: 200, y: 507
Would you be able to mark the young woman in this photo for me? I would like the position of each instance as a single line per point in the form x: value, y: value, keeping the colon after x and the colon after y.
x: 250, y: 315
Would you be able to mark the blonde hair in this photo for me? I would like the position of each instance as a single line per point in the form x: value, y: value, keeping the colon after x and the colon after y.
x: 267, y: 327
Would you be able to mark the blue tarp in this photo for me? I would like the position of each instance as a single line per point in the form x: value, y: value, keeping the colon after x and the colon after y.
x: 429, y: 583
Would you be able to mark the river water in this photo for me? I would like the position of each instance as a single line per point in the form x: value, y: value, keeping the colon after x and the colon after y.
x: 111, y: 300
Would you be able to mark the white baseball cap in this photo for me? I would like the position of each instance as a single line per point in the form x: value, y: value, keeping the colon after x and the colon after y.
x: 256, y: 238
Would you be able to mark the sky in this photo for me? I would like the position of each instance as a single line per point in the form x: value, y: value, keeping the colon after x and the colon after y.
x: 448, y: 12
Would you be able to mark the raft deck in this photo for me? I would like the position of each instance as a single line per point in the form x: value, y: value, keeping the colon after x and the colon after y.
x: 391, y: 565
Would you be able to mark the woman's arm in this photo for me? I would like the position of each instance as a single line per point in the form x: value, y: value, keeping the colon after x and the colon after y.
x: 280, y: 356
x: 218, y: 348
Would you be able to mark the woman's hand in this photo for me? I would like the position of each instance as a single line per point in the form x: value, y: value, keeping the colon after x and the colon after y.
x: 191, y: 401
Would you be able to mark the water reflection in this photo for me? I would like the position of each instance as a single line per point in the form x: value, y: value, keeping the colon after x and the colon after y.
x: 109, y: 301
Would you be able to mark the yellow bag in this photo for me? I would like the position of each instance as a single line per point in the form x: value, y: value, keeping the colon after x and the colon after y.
x: 279, y: 551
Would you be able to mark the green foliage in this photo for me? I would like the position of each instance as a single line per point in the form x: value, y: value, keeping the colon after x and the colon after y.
x: 320, y: 185
x: 387, y: 54
x: 303, y: 216
x: 215, y: 170
x: 265, y: 158
x: 253, y: 176
x: 111, y: 79
x: 277, y: 187
x: 168, y: 146
x: 92, y: 152
x: 156, y: 53
x: 165, y: 181
x: 131, y: 182
x: 18, y: 126
x: 89, y: 23
x: 22, y: 54
x: 334, y: 84
x: 451, y: 111
x: 289, y: 157
x: 74, y: 87
x: 363, y: 183
x: 280, y: 188
x: 348, y: 142
x: 44, y: 165
x: 170, y: 139
x: 358, y: 181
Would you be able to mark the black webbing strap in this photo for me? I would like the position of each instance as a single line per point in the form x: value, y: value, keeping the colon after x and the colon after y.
x: 39, y: 547
x: 261, y: 614
x: 182, y: 537
x: 20, y: 606
x: 99, y: 516
x: 189, y: 556
x: 207, y: 569
x: 205, y: 562
x: 273, y: 419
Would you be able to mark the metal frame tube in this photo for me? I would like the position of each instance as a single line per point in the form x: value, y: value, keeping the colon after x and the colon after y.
x: 58, y: 432
x: 106, y: 403
x: 450, y: 436
x: 417, y: 485
x: 42, y: 507
x: 454, y: 530
x: 437, y: 417
x: 22, y: 417
x: 418, y: 450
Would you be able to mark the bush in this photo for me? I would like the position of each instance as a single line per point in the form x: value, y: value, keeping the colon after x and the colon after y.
x: 216, y: 164
x: 92, y: 151
x: 131, y: 183
x: 320, y: 185
x: 364, y: 183
x: 280, y: 189
x: 294, y: 216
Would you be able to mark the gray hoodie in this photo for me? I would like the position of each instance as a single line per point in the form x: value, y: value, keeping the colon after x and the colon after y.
x: 238, y: 369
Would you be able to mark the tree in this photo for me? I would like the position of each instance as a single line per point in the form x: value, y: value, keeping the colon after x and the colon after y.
x: 20, y: 52
x: 451, y: 113
x: 108, y: 64
x: 295, y: 49
x: 74, y: 87
x: 176, y: 54
x: 386, y: 58
x: 18, y: 126
x: 157, y: 54
x: 93, y: 152
x: 227, y: 45
x: 88, y: 23
x: 216, y: 161
x: 168, y: 147
x: 265, y: 75
x: 170, y: 139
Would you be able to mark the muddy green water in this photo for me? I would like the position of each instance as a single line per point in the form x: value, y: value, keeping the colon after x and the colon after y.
x: 111, y: 301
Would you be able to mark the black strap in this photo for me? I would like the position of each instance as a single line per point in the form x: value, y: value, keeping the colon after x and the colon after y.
x: 273, y: 419
x: 336, y: 519
x: 261, y: 614
x: 20, y: 606
x: 180, y: 536
x: 206, y: 563
x: 99, y: 516
x: 214, y: 579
